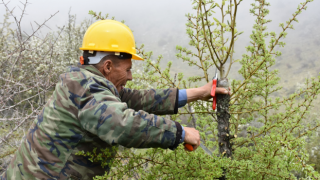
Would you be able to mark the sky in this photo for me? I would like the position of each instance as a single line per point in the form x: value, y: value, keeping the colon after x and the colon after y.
x: 160, y: 25
x: 151, y: 20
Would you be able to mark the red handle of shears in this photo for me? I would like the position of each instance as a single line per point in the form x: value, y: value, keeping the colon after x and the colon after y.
x: 189, y: 147
x: 213, y: 93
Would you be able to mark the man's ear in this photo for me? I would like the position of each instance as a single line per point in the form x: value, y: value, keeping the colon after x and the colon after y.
x: 107, y: 67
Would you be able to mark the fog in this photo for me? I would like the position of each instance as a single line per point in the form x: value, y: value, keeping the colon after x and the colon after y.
x: 160, y: 25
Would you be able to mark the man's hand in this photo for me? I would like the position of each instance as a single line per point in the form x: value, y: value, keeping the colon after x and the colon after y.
x: 207, y: 91
x: 204, y: 92
x: 192, y: 137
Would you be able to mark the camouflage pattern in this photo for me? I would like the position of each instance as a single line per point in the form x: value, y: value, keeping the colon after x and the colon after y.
x: 84, y: 112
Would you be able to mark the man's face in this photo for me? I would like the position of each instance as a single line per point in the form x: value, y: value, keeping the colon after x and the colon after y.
x: 120, y: 73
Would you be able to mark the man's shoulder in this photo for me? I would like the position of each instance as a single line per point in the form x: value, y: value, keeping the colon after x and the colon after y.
x: 80, y: 75
x: 86, y: 77
x: 77, y: 71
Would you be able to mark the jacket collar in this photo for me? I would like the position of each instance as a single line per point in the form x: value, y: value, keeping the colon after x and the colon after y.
x: 91, y: 69
x: 95, y: 71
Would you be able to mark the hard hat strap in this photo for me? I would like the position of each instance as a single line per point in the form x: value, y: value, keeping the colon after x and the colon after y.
x: 124, y: 56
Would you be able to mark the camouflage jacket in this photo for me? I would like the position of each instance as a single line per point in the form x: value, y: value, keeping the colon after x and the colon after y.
x: 86, y: 112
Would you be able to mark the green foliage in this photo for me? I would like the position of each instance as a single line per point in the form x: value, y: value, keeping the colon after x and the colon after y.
x: 269, y: 131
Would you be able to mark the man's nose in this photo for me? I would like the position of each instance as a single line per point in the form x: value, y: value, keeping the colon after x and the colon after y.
x: 129, y: 76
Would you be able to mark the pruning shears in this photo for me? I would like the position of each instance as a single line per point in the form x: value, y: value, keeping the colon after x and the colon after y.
x: 213, y: 91
x: 214, y: 104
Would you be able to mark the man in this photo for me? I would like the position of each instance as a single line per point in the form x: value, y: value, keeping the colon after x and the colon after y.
x: 90, y: 108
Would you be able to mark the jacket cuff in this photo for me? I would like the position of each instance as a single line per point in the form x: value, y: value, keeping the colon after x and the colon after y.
x: 178, y: 136
x: 176, y: 105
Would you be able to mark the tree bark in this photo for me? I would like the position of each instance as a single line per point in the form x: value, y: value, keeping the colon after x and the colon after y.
x: 223, y: 116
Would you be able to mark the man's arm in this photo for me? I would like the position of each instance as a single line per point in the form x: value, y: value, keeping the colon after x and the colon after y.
x: 112, y: 121
x: 155, y: 101
x: 189, y: 95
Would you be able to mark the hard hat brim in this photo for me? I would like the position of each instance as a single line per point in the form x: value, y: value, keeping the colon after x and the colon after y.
x: 137, y: 57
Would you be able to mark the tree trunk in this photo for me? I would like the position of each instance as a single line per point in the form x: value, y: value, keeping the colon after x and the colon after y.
x: 223, y: 117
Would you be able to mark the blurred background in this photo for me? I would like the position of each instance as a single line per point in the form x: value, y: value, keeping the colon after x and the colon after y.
x: 160, y: 25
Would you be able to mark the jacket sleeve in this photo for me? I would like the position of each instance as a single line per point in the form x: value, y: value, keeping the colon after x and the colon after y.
x: 156, y: 101
x: 104, y: 115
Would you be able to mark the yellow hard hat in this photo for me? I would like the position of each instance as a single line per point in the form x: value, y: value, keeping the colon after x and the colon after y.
x: 110, y: 36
